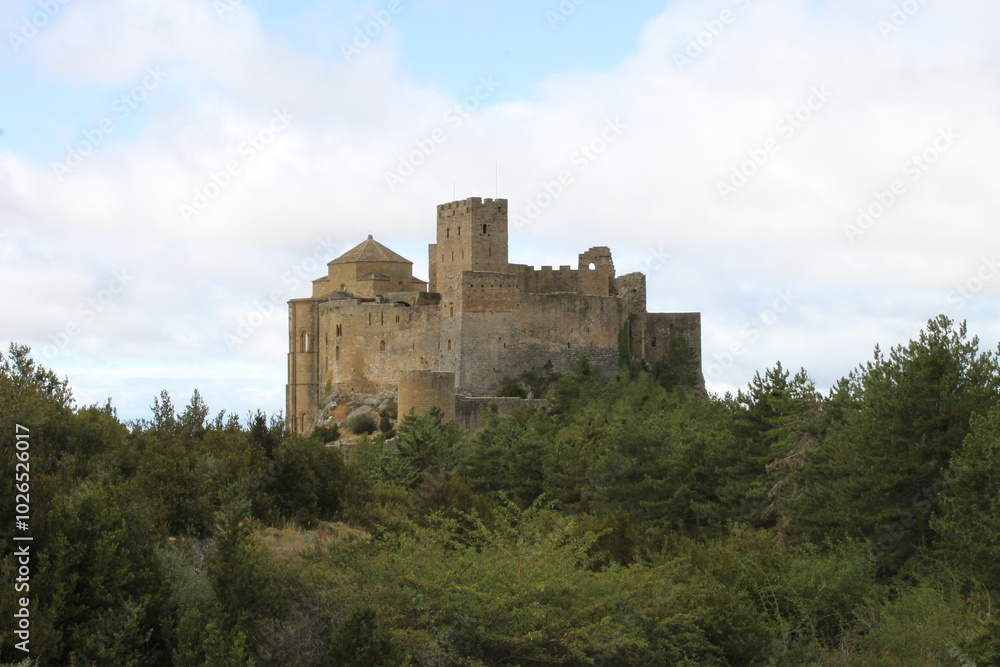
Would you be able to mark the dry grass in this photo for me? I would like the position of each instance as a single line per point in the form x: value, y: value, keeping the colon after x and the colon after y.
x: 291, y: 540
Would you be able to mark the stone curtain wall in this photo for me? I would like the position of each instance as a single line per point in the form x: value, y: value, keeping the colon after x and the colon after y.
x: 422, y: 390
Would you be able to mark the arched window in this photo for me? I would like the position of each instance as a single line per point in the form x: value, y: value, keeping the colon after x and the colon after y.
x: 449, y: 343
x: 381, y: 346
x: 484, y: 228
x: 336, y: 353
x: 303, y: 341
x: 303, y: 419
x: 340, y: 330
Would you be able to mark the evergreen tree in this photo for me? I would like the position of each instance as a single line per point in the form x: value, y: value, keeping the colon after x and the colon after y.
x: 878, y: 475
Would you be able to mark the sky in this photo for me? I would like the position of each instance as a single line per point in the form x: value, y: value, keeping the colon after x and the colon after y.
x: 814, y: 177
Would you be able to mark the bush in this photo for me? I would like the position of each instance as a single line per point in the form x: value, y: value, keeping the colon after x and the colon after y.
x: 513, y: 389
x: 387, y: 419
x: 361, y: 424
x: 327, y: 433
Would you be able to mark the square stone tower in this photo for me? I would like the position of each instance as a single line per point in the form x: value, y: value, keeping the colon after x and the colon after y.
x: 471, y: 236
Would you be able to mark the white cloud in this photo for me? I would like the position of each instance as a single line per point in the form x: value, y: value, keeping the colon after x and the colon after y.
x: 321, y: 181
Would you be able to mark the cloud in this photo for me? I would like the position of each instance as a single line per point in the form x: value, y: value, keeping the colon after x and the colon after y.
x: 807, y: 111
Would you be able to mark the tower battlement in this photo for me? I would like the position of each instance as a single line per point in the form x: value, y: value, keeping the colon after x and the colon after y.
x: 471, y: 236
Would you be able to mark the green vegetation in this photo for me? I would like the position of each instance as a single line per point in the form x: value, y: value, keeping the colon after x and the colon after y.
x: 363, y: 424
x: 633, y: 522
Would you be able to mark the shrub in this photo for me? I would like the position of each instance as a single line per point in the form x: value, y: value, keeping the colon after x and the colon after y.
x: 361, y: 424
x: 513, y: 389
x: 327, y: 433
x: 387, y: 419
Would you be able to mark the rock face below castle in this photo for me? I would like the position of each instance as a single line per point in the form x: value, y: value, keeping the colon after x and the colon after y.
x: 371, y: 327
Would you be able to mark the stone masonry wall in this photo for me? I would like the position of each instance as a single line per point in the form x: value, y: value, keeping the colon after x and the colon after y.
x: 631, y: 289
x: 541, y: 328
x: 661, y: 328
x: 471, y: 236
x: 483, y: 320
x: 301, y: 392
x: 422, y: 390
x: 366, y: 345
x: 472, y: 411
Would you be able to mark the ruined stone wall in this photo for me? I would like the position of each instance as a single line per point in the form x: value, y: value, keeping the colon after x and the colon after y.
x: 631, y: 289
x: 597, y: 272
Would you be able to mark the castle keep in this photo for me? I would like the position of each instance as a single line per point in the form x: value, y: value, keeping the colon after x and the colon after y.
x: 371, y: 327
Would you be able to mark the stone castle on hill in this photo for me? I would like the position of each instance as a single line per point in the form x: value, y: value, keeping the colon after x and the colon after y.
x: 371, y: 327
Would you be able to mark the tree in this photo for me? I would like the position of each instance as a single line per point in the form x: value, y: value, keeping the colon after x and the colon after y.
x: 305, y: 480
x: 878, y: 474
x: 506, y: 456
x: 967, y: 519
x: 423, y: 443
x: 240, y: 571
x: 99, y: 584
x: 778, y: 420
x: 679, y: 367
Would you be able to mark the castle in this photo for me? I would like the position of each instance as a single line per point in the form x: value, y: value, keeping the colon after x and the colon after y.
x: 371, y: 327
